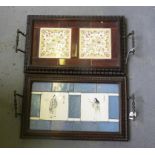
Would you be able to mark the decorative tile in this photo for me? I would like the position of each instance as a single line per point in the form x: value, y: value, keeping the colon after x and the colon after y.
x: 55, y: 43
x: 76, y: 102
x: 54, y: 106
x: 40, y: 125
x: 74, y: 126
x: 35, y: 105
x: 85, y: 87
x: 113, y: 107
x: 62, y: 87
x: 94, y: 107
x: 41, y: 86
x: 108, y: 88
x: 74, y: 106
x: 95, y: 43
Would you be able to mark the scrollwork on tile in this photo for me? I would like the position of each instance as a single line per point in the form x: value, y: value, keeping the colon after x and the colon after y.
x: 55, y: 43
x: 95, y: 43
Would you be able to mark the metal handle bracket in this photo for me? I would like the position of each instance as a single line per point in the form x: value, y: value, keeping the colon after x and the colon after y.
x: 17, y: 40
x: 16, y: 103
x: 132, y: 50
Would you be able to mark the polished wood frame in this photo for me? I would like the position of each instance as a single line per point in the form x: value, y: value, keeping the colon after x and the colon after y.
x: 116, y: 65
x: 27, y: 133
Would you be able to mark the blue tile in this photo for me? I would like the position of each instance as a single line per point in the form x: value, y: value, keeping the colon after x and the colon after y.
x: 74, y: 126
x: 41, y: 86
x: 85, y: 126
x: 107, y: 88
x: 63, y: 87
x: 114, y: 107
x: 85, y: 87
x: 35, y: 105
x: 74, y: 106
x: 109, y: 126
x: 40, y: 125
x: 61, y: 125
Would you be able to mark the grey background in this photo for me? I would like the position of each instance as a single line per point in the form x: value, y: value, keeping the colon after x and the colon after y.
x: 141, y: 73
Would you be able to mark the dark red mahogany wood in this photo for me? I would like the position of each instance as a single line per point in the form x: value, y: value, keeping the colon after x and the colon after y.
x: 34, y: 64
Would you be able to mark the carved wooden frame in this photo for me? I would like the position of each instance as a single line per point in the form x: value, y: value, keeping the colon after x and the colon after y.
x: 26, y: 132
x: 102, y: 70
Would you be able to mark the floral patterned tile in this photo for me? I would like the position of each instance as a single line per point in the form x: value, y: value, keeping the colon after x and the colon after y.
x: 55, y: 43
x: 95, y: 43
